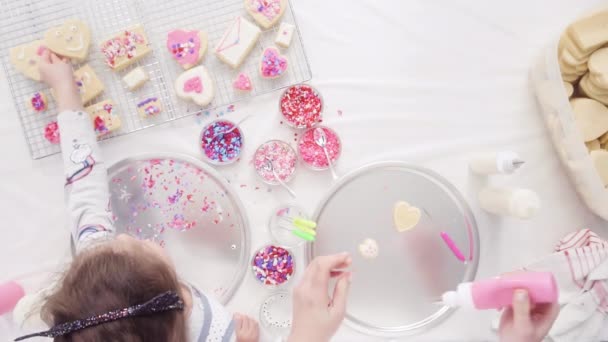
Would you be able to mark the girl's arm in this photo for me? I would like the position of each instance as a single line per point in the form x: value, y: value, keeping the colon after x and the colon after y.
x: 86, y: 186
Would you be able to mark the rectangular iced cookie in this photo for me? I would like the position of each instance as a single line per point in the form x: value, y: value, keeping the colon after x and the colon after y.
x: 284, y: 35
x: 105, y: 120
x: 149, y: 107
x: 237, y: 42
x: 125, y: 48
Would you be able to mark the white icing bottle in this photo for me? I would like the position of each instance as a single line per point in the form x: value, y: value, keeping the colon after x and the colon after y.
x: 519, y: 203
x: 493, y: 163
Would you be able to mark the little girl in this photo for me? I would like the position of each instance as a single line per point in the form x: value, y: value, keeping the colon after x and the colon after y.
x: 117, y: 288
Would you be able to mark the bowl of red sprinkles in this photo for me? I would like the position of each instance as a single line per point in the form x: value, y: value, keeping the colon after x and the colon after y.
x: 313, y: 155
x: 301, y: 106
x: 221, y: 143
x: 273, y: 265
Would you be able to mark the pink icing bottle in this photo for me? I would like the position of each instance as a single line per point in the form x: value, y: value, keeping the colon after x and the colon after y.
x: 496, y: 293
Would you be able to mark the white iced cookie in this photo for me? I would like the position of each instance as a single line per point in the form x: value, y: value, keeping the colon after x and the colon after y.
x: 237, y: 42
x: 149, y: 107
x: 135, y: 78
x: 187, y: 47
x: 195, y: 85
x: 72, y: 39
x: 266, y: 12
x: 125, y: 48
x: 284, y: 35
x: 569, y: 88
x: 405, y: 216
x: 105, y: 120
x: 369, y: 249
x: 593, y: 145
x: 591, y: 117
x: 600, y: 161
x: 25, y: 58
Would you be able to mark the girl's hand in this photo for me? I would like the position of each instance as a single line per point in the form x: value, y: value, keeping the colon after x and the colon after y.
x: 316, y: 316
x: 524, y: 322
x: 246, y: 328
x: 57, y: 73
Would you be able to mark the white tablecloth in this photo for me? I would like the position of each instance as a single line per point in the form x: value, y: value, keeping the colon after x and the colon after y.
x: 430, y: 82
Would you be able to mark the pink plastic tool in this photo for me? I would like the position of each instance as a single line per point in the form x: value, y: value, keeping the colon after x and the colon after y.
x: 452, y: 246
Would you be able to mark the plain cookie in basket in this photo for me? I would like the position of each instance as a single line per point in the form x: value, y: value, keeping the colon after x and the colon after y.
x: 569, y: 89
x: 591, y: 32
x: 187, y: 47
x: 195, y: 85
x: 591, y: 117
x: 25, y: 58
x: 237, y: 42
x: 125, y: 48
x: 266, y: 12
x: 593, y: 91
x: 593, y: 145
x: 600, y: 161
x: 71, y: 39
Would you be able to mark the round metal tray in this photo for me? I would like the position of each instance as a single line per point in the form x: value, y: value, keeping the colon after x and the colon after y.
x: 190, y: 209
x: 393, y: 294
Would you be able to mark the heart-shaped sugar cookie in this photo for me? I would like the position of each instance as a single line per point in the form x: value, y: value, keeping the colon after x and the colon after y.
x: 405, y: 216
x: 195, y: 85
x: 272, y: 64
x: 266, y: 12
x: 72, y: 39
x: 187, y: 47
x: 242, y: 82
x: 26, y: 57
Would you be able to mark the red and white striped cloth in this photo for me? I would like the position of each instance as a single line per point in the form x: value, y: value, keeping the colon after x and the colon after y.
x: 580, y: 266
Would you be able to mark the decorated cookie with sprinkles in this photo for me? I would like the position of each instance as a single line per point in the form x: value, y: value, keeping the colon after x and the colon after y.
x: 273, y: 265
x: 125, y: 48
x: 149, y: 107
x: 282, y: 157
x: 242, y: 82
x: 266, y: 12
x: 51, y: 133
x: 220, y: 143
x: 301, y: 106
x: 369, y: 249
x: 195, y: 85
x: 71, y: 39
x: 38, y: 102
x: 187, y: 47
x: 272, y: 63
x: 312, y: 154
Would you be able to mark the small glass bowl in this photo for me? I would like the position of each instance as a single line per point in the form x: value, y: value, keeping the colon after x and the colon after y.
x: 304, y: 122
x: 264, y: 259
x: 284, y: 236
x: 312, y: 155
x: 276, y: 314
x: 285, y: 166
x: 223, y: 155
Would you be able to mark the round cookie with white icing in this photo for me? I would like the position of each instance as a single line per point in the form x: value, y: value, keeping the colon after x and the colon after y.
x: 195, y: 85
x: 25, y: 58
x: 266, y: 12
x: 591, y: 117
x: 72, y: 39
x: 187, y: 47
x: 369, y: 249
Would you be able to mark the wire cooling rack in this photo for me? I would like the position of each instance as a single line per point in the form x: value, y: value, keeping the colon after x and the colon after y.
x: 22, y: 21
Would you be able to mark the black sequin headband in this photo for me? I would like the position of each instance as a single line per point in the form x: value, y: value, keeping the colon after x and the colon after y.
x: 164, y: 302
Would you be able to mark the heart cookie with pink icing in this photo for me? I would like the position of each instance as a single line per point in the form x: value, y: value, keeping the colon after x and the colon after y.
x: 272, y: 64
x: 195, y: 85
x: 266, y: 12
x: 242, y: 82
x: 187, y: 47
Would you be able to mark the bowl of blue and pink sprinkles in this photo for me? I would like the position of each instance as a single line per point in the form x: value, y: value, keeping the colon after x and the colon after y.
x: 273, y: 266
x: 221, y: 142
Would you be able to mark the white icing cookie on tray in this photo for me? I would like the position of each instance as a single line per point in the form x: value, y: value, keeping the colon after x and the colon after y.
x: 272, y: 63
x: 591, y: 117
x: 369, y: 249
x: 187, y: 47
x: 25, y: 58
x: 266, y: 12
x: 237, y: 42
x: 284, y: 35
x: 105, y: 120
x: 136, y: 78
x: 149, y: 107
x: 125, y: 48
x: 195, y: 85
x: 71, y: 39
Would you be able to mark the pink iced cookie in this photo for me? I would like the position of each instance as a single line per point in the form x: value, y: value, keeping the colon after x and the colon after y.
x: 242, y: 82
x: 51, y: 133
x: 272, y: 63
x: 187, y: 47
x: 266, y: 12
